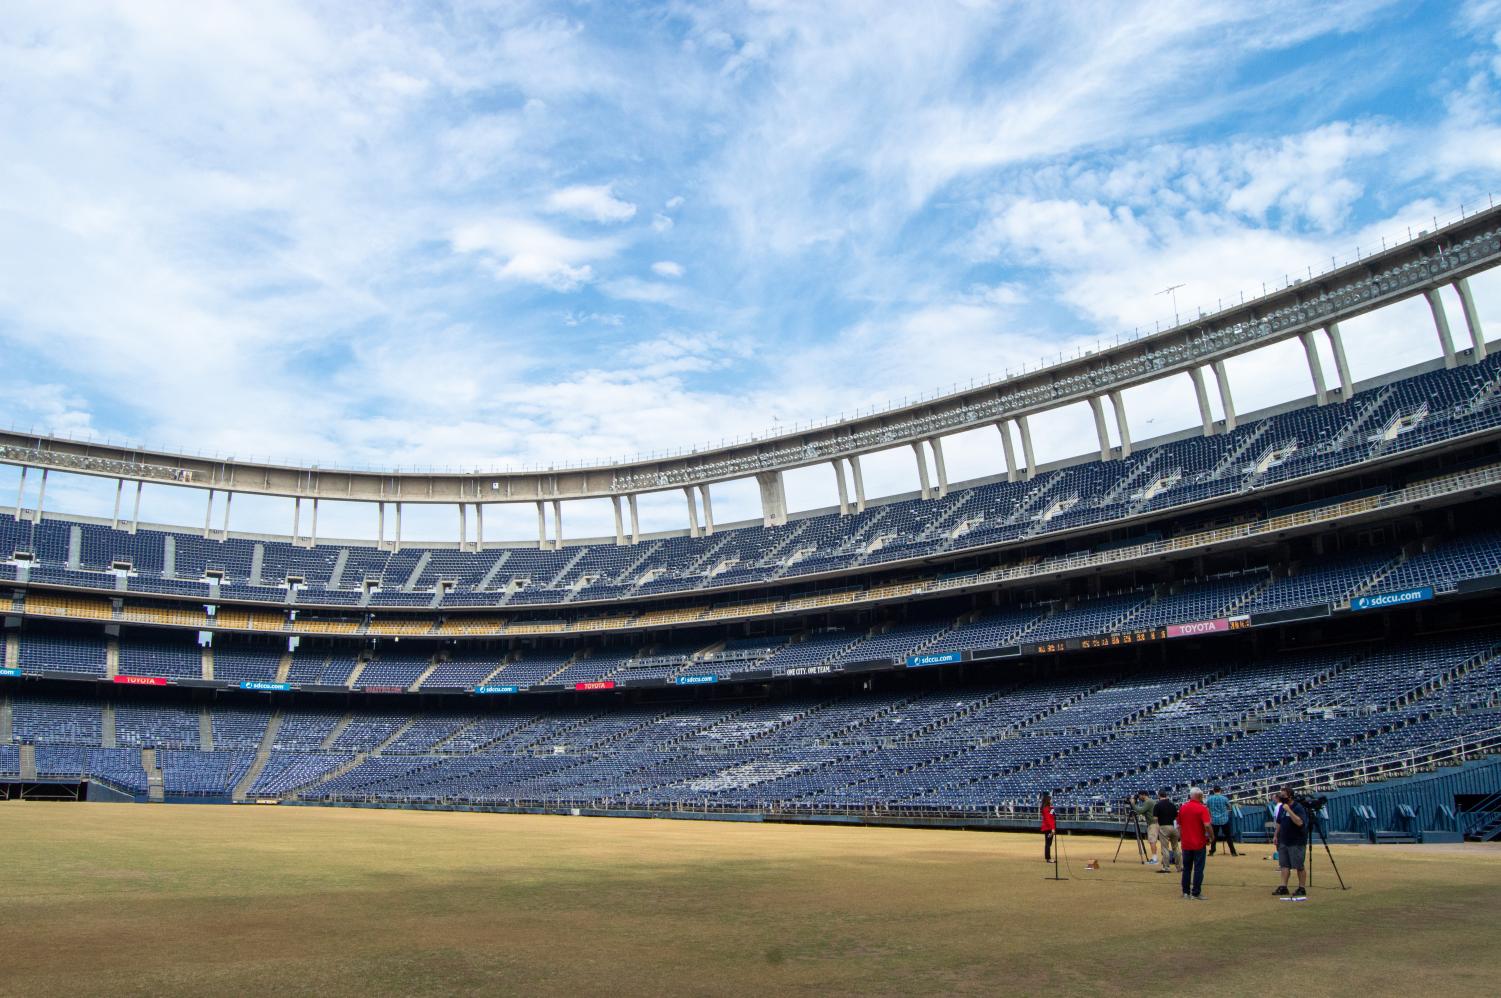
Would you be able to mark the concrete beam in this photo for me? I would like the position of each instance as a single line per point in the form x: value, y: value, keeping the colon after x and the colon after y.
x: 844, y: 492
x: 398, y: 527
x: 936, y: 443
x: 1441, y: 326
x: 708, y: 503
x: 1008, y: 448
x: 479, y: 526
x: 380, y: 526
x: 1341, y: 365
x: 41, y: 497
x: 1196, y: 375
x: 1098, y: 409
x: 229, y: 498
x: 463, y: 526
x: 208, y: 513
x: 557, y: 523
x: 635, y: 519
x: 773, y: 498
x: 1315, y: 368
x: 692, y: 511
x: 859, y: 477
x: 114, y: 521
x: 1026, y: 434
x: 1226, y: 401
x: 313, y: 537
x: 135, y: 516
x: 922, y: 470
x: 21, y: 492
x: 1472, y: 320
x: 541, y: 527
x: 619, y: 525
x: 1122, y: 428
x: 296, y: 519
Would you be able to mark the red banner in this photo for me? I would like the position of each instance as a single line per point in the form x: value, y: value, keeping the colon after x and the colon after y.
x: 384, y: 689
x: 596, y: 684
x: 1198, y: 627
x: 141, y: 680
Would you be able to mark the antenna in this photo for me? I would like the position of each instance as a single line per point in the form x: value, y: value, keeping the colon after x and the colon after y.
x: 1173, y: 292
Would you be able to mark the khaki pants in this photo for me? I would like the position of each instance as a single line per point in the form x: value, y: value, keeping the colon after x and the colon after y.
x: 1170, y: 851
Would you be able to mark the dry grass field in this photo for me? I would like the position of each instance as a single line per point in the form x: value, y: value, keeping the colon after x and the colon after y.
x: 138, y: 900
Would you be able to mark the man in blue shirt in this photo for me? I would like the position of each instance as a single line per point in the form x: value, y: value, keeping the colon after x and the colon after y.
x: 1219, y: 814
x: 1290, y: 840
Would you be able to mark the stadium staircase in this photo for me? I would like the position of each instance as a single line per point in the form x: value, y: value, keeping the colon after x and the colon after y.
x: 337, y: 575
x: 28, y: 761
x: 1376, y: 407
x: 417, y: 569
x: 207, y: 670
x: 354, y: 674
x: 283, y: 667
x: 6, y: 717
x: 155, y: 788
x: 334, y: 732
x: 1488, y: 829
x: 111, y: 658
x: 262, y: 756
x: 391, y: 739
x: 107, y: 727
x: 1231, y: 459
x: 438, y: 660
x: 205, y: 730
x: 577, y: 657
x: 1375, y: 578
x: 578, y: 556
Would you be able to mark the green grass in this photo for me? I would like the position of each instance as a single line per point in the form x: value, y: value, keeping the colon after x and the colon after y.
x: 132, y: 899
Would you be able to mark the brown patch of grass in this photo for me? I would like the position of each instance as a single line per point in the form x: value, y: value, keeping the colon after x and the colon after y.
x: 130, y: 899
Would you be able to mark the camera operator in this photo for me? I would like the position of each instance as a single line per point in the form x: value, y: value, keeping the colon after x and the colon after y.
x: 1142, y: 805
x: 1291, y: 840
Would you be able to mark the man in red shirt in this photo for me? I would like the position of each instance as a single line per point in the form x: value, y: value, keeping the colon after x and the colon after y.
x: 1196, y: 828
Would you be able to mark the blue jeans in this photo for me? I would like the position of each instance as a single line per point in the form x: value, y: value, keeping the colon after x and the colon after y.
x: 1193, y: 871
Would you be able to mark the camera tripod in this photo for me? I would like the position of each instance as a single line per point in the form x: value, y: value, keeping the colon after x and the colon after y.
x: 1132, y: 822
x: 1317, y: 826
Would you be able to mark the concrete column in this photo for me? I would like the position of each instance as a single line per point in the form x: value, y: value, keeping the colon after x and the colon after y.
x: 773, y: 498
x: 557, y: 523
x: 703, y: 494
x: 463, y: 525
x: 398, y: 527
x: 380, y: 525
x: 1226, y: 401
x: 922, y: 470
x: 119, y: 491
x: 1472, y: 320
x: 1315, y: 366
x: 844, y: 492
x: 541, y: 526
x: 619, y: 526
x: 41, y: 497
x: 479, y: 526
x: 635, y: 519
x: 208, y: 512
x: 1441, y: 324
x: 21, y: 492
x: 943, y: 472
x: 692, y: 511
x: 135, y: 516
x: 1026, y: 433
x: 313, y: 538
x: 859, y: 477
x: 1122, y: 428
x: 296, y: 518
x: 1341, y: 366
x: 229, y: 497
x: 1099, y: 427
x: 1008, y: 448
x: 1196, y: 375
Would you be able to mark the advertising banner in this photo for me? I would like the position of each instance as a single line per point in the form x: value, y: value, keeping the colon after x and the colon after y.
x: 384, y: 689
x: 1381, y: 600
x: 596, y: 684
x: 255, y: 684
x: 141, y: 680
x: 497, y: 689
x: 1198, y: 627
x: 695, y: 680
x: 10, y: 672
x: 934, y: 658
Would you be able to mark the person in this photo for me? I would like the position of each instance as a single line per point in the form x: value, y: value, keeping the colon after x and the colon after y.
x: 1049, y: 826
x: 1221, y: 815
x: 1290, y: 839
x: 1196, y: 831
x: 1165, y: 812
x: 1143, y: 809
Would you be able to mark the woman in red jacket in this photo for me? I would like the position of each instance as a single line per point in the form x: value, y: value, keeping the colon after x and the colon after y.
x: 1048, y: 828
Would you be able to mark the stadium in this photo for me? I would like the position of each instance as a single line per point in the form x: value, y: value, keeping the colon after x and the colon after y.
x: 762, y: 753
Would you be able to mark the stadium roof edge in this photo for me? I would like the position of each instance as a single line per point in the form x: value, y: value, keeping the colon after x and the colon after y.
x: 1429, y: 261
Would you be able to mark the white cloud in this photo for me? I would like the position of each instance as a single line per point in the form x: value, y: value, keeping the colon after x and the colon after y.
x: 594, y: 204
x: 635, y: 289
x: 667, y: 268
x: 660, y: 222
x: 524, y: 250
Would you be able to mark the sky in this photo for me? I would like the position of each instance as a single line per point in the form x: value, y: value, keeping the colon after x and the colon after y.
x: 491, y: 235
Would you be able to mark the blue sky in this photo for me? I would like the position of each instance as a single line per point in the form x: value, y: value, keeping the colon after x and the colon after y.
x: 493, y: 235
